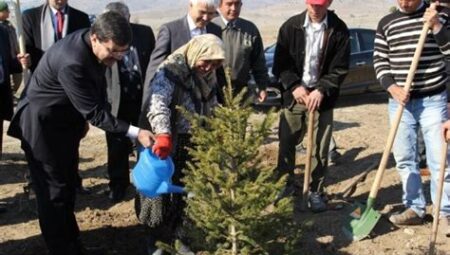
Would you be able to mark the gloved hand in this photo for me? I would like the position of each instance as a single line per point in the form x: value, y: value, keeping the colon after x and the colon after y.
x: 163, y: 146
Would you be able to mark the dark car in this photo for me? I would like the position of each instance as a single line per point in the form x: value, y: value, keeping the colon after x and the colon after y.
x: 361, y: 76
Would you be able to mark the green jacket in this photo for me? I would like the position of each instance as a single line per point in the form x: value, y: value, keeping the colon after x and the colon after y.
x: 244, y: 52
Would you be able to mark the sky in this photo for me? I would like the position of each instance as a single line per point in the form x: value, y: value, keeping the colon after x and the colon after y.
x: 96, y: 6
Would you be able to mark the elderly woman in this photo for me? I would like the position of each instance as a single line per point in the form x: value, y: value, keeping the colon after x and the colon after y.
x: 186, y: 78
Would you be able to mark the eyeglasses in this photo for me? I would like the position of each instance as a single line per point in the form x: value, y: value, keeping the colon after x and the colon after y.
x: 115, y: 53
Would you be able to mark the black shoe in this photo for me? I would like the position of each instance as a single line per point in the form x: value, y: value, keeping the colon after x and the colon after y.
x: 93, y: 251
x: 2, y: 209
x: 117, y: 194
x: 317, y: 202
x: 288, y: 190
x: 83, y: 190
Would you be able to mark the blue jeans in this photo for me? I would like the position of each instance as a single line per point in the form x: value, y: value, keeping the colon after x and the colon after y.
x: 429, y: 113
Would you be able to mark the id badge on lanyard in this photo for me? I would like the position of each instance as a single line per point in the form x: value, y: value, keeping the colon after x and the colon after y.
x: 2, y: 71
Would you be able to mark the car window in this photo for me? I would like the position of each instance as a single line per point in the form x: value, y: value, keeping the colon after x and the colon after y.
x: 366, y: 40
x: 353, y: 42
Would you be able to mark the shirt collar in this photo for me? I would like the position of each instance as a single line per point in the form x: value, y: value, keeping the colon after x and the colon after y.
x: 225, y: 21
x: 323, y: 23
x: 63, y: 10
x: 191, y: 23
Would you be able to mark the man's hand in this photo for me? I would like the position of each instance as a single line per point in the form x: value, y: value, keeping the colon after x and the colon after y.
x: 314, y: 100
x: 24, y: 59
x: 300, y: 95
x: 431, y: 16
x: 446, y: 130
x: 399, y: 94
x: 262, y: 96
x: 146, y: 138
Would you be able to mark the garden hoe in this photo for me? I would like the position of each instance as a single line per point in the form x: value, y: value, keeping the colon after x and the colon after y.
x: 364, y: 218
x: 438, y: 198
x: 309, y: 148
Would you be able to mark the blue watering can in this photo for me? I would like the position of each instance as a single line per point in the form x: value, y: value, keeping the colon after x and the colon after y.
x: 152, y: 176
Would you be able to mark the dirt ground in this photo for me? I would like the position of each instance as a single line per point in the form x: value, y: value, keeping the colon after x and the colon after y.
x: 360, y: 132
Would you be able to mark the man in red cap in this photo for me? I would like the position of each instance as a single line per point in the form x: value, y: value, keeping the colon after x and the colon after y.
x: 311, y: 60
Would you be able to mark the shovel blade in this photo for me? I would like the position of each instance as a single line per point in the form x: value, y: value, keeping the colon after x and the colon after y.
x: 361, y: 222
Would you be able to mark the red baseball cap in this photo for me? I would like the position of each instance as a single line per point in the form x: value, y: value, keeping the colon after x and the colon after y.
x: 317, y: 2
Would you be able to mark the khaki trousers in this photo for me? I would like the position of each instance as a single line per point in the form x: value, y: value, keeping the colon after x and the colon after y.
x: 293, y: 127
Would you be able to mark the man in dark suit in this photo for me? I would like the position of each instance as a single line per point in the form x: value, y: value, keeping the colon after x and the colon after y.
x: 64, y: 93
x: 176, y: 33
x: 46, y: 24
x: 124, y: 87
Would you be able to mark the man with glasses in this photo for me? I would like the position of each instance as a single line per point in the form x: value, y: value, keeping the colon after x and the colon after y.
x: 67, y: 89
x: 42, y: 27
x: 124, y: 87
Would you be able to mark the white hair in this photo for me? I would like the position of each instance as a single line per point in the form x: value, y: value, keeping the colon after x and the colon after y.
x: 208, y: 3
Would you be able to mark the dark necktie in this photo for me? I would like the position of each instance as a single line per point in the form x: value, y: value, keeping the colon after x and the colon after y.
x: 231, y: 24
x: 59, y: 24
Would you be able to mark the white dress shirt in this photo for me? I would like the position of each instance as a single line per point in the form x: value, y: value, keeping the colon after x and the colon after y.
x: 194, y: 30
x: 313, y: 49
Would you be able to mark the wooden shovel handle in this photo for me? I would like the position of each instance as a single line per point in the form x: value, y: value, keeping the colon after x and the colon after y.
x: 309, y: 148
x: 19, y: 26
x: 398, y: 116
x: 437, y: 201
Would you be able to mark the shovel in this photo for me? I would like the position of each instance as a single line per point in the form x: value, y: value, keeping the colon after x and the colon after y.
x: 309, y: 148
x: 364, y: 218
x: 438, y: 198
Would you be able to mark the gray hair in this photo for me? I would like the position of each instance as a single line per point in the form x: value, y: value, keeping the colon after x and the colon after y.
x: 118, y: 7
x: 209, y: 3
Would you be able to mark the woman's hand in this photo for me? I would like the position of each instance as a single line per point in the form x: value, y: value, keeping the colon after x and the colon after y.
x: 163, y: 145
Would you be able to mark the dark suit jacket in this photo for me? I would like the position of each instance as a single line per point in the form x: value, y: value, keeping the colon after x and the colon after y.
x: 10, y: 65
x: 144, y: 41
x: 290, y: 56
x: 171, y: 36
x: 63, y: 93
x: 32, y: 30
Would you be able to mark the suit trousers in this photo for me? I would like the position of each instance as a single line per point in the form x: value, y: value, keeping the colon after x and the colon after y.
x: 55, y: 184
x: 120, y: 147
x: 292, y: 128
